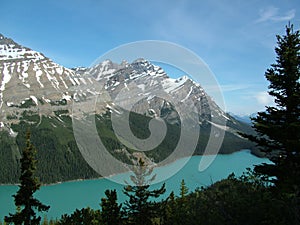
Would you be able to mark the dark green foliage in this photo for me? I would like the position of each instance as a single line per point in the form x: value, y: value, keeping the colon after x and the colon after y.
x: 278, y: 128
x: 231, y: 143
x: 27, y: 103
x: 25, y: 202
x: 233, y: 201
x: 49, y: 222
x: 139, y: 208
x: 139, y: 126
x: 59, y: 158
x: 85, y: 216
x: 110, y: 209
x: 30, y: 117
x: 177, y: 209
x: 59, y: 102
x: 183, y: 190
x: 9, y: 159
x: 245, y: 200
x: 169, y: 215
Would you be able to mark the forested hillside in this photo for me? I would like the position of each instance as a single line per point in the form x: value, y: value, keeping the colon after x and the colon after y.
x: 59, y: 158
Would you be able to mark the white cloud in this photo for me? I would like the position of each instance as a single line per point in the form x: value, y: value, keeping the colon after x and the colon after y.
x: 227, y: 87
x: 234, y: 87
x: 288, y: 16
x: 271, y: 13
x: 267, y: 14
x: 180, y: 24
x: 264, y: 98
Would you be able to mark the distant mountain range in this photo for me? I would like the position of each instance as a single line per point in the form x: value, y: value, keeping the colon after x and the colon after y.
x: 244, y: 118
x: 38, y: 93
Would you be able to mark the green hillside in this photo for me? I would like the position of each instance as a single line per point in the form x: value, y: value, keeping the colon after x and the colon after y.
x: 59, y: 158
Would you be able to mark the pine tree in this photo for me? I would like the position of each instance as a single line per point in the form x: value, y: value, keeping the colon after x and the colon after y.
x: 182, y: 215
x: 111, y: 210
x: 139, y: 208
x: 183, y: 189
x: 24, y: 199
x: 278, y: 128
x: 83, y: 216
x: 169, y: 210
x: 45, y: 221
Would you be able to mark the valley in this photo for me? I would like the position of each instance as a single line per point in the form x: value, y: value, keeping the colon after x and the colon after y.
x: 46, y: 98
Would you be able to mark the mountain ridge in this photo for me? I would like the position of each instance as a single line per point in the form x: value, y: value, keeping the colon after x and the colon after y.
x: 38, y: 93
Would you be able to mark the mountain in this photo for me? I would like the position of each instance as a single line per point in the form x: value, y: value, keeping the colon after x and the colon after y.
x: 244, y: 118
x: 29, y: 76
x: 39, y: 94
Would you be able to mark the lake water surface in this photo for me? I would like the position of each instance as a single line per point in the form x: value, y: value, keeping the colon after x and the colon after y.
x: 66, y: 197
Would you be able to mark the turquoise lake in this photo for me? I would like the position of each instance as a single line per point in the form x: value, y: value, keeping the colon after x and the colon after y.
x: 66, y: 197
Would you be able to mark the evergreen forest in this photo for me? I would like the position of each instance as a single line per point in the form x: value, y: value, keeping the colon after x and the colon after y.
x: 270, y: 194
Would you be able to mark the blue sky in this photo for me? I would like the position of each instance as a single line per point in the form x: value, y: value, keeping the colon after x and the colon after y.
x: 235, y: 38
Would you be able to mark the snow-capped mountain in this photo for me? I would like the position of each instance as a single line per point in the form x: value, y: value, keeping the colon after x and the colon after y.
x: 28, y: 77
x: 43, y: 94
x: 148, y: 90
x: 31, y: 80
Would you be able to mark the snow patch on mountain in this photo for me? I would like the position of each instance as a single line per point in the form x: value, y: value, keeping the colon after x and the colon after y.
x: 38, y: 74
x: 171, y: 85
x: 34, y: 99
x: 5, y: 79
x: 14, y: 52
x: 188, y: 95
x: 219, y: 126
x: 67, y: 97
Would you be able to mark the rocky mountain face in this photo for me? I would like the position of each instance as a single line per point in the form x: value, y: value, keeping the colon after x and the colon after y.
x: 31, y: 80
x: 37, y: 91
x: 150, y: 91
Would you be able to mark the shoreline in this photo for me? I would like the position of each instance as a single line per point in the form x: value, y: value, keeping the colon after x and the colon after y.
x: 98, y: 178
